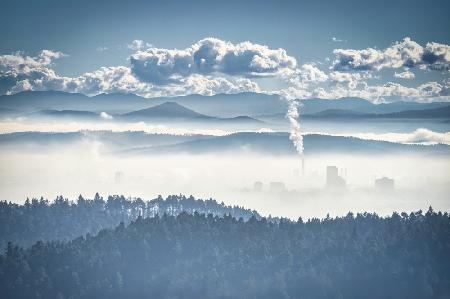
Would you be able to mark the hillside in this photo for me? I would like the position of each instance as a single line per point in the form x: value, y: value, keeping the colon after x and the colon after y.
x: 279, y: 144
x: 63, y: 220
x: 206, y: 256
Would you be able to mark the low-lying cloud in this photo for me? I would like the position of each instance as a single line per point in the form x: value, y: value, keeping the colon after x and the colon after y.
x: 67, y: 127
x: 419, y: 136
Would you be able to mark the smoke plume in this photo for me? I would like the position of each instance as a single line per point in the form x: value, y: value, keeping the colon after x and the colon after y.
x: 294, y: 120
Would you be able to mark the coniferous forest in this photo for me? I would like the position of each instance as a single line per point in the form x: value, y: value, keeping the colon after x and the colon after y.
x: 64, y: 220
x: 186, y: 248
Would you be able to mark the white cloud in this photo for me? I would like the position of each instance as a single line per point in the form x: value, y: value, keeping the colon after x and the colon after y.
x: 105, y: 115
x: 310, y: 73
x: 337, y: 40
x: 101, y: 49
x: 419, y: 136
x: 406, y: 53
x: 427, y: 92
x: 20, y: 126
x: 19, y: 60
x: 437, y: 56
x: 138, y: 44
x: 349, y: 80
x: 213, y: 66
x: 210, y: 56
x: 405, y: 75
x: 20, y: 73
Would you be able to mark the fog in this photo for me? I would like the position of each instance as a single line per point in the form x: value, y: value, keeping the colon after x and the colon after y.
x: 82, y: 168
x: 417, y: 134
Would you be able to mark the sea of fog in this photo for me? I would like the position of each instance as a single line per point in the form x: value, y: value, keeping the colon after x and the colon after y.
x: 420, y: 181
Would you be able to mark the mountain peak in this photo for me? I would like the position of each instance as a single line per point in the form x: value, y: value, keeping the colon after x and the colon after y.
x: 166, y: 110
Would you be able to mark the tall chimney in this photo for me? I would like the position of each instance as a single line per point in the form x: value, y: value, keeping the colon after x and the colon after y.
x: 303, y: 166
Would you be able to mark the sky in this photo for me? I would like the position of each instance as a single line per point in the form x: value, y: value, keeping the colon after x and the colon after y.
x: 378, y: 50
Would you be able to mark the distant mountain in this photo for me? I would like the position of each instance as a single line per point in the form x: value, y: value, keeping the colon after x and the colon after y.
x: 112, y: 141
x: 172, y: 111
x: 220, y: 105
x: 358, y: 105
x: 34, y: 101
x: 338, y: 113
x: 67, y: 114
x: 436, y: 113
x: 310, y: 106
x: 232, y: 105
x: 7, y: 112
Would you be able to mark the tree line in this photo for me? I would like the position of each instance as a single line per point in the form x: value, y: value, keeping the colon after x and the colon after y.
x: 64, y: 220
x: 193, y: 255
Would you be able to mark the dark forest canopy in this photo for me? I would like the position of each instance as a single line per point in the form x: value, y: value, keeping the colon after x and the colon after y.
x: 205, y: 256
x: 41, y: 220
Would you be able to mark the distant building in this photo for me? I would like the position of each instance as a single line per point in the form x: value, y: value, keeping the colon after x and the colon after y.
x: 277, y: 187
x: 334, y: 181
x: 118, y: 176
x: 384, y: 184
x: 257, y: 186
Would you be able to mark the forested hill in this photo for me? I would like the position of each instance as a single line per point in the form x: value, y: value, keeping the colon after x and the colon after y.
x: 198, y: 256
x: 39, y: 219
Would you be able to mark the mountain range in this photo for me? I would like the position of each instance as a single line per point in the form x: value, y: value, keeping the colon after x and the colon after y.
x: 433, y: 113
x: 220, y: 105
x: 168, y: 112
x: 172, y: 111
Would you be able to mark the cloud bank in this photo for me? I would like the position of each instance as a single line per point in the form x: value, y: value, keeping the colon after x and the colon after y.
x: 19, y: 72
x: 211, y: 66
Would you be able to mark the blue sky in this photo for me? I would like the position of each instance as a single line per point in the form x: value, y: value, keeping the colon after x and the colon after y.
x: 96, y: 34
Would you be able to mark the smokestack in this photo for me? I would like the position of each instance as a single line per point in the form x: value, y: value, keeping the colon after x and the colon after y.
x: 303, y: 166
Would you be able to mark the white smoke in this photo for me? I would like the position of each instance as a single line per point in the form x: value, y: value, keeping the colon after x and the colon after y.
x: 295, y: 129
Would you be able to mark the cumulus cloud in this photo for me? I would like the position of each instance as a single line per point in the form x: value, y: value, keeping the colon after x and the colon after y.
x: 406, y: 53
x: 212, y: 66
x: 426, y: 92
x: 19, y: 72
x: 437, y: 56
x: 210, y: 56
x: 405, y: 75
x: 19, y: 60
x: 310, y: 73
